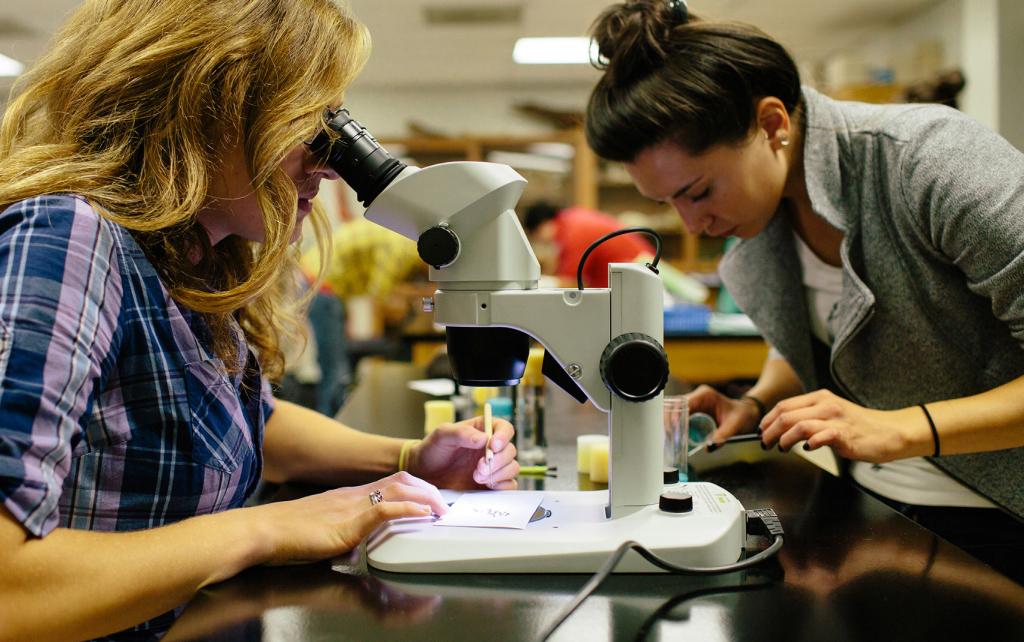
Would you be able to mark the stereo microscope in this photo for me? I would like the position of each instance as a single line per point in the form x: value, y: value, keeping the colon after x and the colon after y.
x: 601, y: 344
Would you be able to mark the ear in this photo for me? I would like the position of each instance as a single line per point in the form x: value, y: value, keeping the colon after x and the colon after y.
x: 773, y: 121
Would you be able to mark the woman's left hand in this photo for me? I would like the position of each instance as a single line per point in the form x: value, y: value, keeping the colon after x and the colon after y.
x: 824, y: 419
x: 452, y: 456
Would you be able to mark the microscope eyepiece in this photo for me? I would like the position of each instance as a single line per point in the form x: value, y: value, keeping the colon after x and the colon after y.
x: 356, y: 156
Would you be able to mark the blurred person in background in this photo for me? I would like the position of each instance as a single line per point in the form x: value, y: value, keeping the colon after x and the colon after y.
x: 560, y: 236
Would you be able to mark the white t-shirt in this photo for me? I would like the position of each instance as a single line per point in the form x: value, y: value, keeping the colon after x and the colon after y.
x: 911, y: 481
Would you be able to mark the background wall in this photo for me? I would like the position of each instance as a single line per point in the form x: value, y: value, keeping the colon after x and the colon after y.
x: 984, y: 38
x: 456, y: 76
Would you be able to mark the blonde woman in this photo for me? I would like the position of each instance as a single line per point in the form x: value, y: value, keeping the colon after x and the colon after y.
x: 152, y: 182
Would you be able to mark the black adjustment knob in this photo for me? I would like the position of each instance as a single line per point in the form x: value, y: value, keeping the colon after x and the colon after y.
x: 634, y: 366
x: 670, y: 475
x: 438, y: 246
x: 675, y: 501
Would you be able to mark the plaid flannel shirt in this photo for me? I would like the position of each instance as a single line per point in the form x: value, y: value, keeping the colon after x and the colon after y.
x: 114, y: 416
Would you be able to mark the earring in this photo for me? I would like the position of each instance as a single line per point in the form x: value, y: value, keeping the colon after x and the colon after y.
x: 784, y: 140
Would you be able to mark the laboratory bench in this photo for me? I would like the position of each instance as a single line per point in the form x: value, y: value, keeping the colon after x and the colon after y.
x: 851, y: 569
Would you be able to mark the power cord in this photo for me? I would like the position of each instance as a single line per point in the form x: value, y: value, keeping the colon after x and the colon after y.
x: 761, y: 521
x: 653, y: 265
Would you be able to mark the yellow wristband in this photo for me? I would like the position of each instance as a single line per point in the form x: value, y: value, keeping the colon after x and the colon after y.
x: 403, y: 454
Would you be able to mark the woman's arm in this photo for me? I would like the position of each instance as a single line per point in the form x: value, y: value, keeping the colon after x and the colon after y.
x: 74, y: 584
x: 992, y: 420
x: 302, y: 445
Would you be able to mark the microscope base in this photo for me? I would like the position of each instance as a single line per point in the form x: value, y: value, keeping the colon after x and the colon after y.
x: 575, y: 538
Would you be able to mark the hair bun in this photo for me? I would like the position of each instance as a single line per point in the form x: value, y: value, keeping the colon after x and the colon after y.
x: 633, y: 37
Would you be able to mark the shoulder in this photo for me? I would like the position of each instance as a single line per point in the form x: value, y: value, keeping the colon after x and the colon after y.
x: 59, y: 215
x: 60, y: 238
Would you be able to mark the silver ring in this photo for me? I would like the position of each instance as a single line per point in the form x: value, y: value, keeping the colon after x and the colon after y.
x: 376, y: 497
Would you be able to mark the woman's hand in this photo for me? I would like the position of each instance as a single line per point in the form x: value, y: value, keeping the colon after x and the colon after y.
x: 335, y: 522
x: 734, y: 416
x: 854, y: 432
x: 452, y: 456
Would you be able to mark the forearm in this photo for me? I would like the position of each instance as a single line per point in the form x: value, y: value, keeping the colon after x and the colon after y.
x: 76, y: 584
x: 992, y: 420
x: 302, y: 445
x: 777, y: 381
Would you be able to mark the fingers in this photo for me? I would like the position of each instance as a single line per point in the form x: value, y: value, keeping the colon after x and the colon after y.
x: 796, y: 403
x: 735, y: 419
x: 365, y: 522
x: 791, y: 424
x: 703, y: 399
x: 470, y: 434
x: 728, y: 428
x: 508, y: 484
x: 421, y: 493
x: 804, y: 431
x: 500, y: 470
x: 501, y: 459
x: 824, y: 437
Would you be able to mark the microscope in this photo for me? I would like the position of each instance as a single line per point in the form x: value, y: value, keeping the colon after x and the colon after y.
x: 601, y: 344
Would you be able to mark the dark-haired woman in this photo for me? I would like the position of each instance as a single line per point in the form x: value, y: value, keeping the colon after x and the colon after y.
x: 882, y: 256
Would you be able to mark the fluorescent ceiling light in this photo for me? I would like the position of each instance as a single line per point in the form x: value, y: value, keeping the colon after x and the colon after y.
x: 554, y: 51
x: 10, y: 67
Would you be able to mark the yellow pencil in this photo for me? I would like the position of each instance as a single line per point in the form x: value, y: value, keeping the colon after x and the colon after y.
x: 489, y: 432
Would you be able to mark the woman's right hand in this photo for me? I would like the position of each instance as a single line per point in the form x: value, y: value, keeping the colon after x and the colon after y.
x: 733, y: 416
x: 336, y: 521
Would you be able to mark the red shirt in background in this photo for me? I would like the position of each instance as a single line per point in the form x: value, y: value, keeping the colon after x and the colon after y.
x: 577, y: 227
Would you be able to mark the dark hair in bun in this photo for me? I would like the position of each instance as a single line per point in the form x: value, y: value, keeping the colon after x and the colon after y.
x: 670, y: 76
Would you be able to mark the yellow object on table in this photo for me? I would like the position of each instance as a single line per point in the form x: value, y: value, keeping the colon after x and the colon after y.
x: 481, y: 396
x: 584, y: 444
x: 599, y: 462
x: 534, y: 375
x: 437, y: 412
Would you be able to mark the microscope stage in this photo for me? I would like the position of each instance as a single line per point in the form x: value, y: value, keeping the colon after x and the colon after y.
x: 575, y: 538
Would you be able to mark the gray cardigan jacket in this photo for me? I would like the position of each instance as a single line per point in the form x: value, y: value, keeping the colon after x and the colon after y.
x: 932, y: 207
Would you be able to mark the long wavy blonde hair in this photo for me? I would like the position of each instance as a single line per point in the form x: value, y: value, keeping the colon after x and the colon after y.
x: 133, y: 106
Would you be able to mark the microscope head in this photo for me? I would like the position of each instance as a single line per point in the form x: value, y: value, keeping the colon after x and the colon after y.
x: 462, y: 217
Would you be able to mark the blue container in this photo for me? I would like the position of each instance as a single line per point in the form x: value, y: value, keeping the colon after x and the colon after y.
x: 687, y: 319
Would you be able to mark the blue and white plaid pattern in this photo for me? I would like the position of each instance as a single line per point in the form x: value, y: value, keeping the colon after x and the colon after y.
x: 113, y: 414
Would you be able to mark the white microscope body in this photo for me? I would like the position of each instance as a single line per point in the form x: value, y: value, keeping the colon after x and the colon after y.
x: 492, y: 282
x: 607, y: 343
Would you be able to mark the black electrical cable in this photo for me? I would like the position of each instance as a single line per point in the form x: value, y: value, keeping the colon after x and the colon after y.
x: 626, y: 230
x: 613, y: 560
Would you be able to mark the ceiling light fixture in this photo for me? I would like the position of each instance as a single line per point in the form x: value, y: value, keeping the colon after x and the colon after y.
x: 554, y: 51
x: 9, y: 67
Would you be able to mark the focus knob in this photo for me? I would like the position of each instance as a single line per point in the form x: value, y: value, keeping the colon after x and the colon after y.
x: 634, y: 366
x: 438, y: 246
x: 675, y: 501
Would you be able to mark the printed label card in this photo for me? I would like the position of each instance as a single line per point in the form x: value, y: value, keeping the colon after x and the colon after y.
x: 492, y: 509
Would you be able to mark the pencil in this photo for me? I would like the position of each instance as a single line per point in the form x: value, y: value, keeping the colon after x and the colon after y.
x: 536, y: 470
x: 489, y: 432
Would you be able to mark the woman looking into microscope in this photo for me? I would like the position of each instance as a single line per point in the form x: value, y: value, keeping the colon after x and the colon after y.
x: 153, y: 180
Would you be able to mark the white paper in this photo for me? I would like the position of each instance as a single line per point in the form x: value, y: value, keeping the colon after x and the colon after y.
x: 494, y: 509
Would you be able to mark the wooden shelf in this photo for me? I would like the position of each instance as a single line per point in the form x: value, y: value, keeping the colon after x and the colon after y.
x: 589, y: 182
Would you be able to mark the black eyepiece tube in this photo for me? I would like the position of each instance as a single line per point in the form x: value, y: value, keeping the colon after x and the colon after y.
x: 359, y: 159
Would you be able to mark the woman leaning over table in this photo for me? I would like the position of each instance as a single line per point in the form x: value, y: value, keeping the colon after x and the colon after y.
x: 881, y: 256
